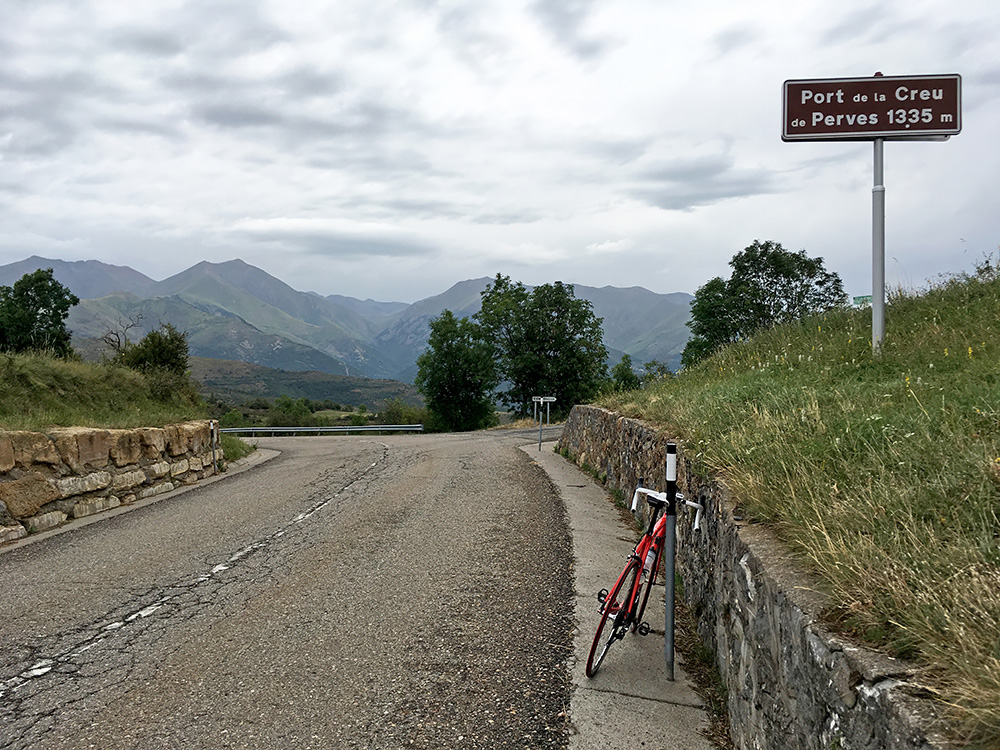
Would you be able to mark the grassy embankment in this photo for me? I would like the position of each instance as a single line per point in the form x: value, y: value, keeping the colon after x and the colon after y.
x: 38, y: 392
x: 883, y: 473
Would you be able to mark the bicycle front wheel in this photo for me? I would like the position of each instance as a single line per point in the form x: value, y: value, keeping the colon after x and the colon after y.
x: 614, y: 616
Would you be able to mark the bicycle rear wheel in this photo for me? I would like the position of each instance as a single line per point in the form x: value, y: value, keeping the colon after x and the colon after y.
x: 614, y: 616
x: 646, y: 588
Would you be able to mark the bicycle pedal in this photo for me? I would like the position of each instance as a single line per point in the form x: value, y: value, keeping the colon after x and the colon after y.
x: 602, y: 595
x: 643, y: 628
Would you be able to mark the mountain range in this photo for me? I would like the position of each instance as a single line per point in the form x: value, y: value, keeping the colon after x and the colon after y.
x: 235, y: 311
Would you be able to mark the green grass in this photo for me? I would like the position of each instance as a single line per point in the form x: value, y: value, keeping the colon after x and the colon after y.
x: 38, y: 392
x: 882, y: 472
x: 234, y: 448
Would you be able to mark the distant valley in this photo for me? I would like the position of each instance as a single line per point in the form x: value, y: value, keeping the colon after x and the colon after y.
x: 235, y: 311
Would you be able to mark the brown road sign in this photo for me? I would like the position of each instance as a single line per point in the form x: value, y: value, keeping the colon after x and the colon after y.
x: 889, y: 107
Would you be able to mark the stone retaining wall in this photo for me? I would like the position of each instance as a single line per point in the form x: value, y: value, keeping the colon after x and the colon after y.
x: 47, y: 479
x: 791, y: 682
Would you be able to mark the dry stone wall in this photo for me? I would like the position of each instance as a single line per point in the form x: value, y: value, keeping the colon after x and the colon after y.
x: 47, y: 479
x: 791, y: 683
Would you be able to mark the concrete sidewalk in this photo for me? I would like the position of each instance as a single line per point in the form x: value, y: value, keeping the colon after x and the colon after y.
x: 630, y: 703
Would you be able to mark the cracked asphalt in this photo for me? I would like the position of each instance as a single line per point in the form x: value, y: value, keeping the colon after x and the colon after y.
x: 356, y: 592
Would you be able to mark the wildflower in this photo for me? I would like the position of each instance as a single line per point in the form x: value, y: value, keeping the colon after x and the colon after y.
x: 970, y: 352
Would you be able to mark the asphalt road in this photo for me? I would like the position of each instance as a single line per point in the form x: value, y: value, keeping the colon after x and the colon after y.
x: 369, y: 592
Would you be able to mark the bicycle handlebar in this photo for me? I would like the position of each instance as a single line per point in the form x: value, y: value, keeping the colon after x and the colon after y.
x: 662, y: 497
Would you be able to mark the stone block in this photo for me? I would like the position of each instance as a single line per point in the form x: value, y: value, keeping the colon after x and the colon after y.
x: 25, y: 496
x: 70, y: 486
x: 80, y: 447
x: 158, y: 470
x: 156, y: 489
x: 195, y: 463
x: 93, y: 505
x: 95, y: 447
x: 176, y: 440
x: 11, y: 533
x: 32, y: 448
x: 65, y: 441
x: 179, y: 467
x: 196, y: 434
x: 126, y: 447
x: 152, y: 442
x: 6, y: 453
x: 128, y: 479
x: 45, y: 521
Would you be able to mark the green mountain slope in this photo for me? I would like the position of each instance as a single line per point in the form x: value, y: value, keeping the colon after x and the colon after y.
x: 216, y: 332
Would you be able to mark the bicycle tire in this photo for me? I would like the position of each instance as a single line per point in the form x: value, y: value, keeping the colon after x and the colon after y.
x: 646, y: 588
x: 622, y: 589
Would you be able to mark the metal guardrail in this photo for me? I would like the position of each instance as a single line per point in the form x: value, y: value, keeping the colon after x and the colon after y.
x: 271, y: 431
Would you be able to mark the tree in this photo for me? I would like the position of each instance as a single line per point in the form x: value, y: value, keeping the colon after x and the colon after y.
x: 165, y: 348
x: 623, y: 376
x: 656, y: 370
x: 545, y: 342
x: 456, y: 374
x: 288, y: 412
x: 33, y: 314
x: 769, y: 286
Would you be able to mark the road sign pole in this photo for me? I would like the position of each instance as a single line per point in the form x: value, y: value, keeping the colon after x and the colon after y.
x: 878, y: 248
x: 669, y: 553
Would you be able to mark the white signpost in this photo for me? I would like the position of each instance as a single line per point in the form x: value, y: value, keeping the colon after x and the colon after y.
x: 542, y: 400
x: 879, y: 109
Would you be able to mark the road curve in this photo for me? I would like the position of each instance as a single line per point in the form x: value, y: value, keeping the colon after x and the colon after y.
x: 368, y: 592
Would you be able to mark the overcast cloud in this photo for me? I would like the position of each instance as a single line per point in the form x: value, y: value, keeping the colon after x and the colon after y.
x: 390, y: 149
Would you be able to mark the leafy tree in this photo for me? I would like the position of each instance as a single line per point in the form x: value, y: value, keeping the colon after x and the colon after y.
x: 456, y: 375
x: 545, y: 342
x: 165, y: 348
x: 233, y: 418
x: 623, y: 376
x: 395, y: 411
x: 33, y: 314
x: 656, y: 370
x: 288, y: 412
x: 769, y: 286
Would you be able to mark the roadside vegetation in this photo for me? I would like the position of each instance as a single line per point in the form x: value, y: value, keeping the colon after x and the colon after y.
x: 44, y: 384
x: 881, y: 472
x: 38, y: 391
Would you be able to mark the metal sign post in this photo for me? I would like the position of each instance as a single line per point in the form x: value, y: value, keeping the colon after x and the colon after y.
x: 880, y: 108
x: 538, y: 414
x: 878, y: 248
x: 669, y: 551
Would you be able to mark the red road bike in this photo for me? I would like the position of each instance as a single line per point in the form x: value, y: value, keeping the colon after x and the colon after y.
x: 623, y: 606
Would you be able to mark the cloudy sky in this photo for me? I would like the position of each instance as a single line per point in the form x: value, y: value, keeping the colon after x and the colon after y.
x: 389, y: 149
